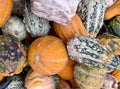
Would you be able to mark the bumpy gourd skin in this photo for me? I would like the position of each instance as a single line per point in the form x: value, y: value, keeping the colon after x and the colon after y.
x: 12, y: 55
x: 89, y: 51
x: 88, y: 77
x: 5, y: 11
x: 92, y: 15
x: 35, y: 25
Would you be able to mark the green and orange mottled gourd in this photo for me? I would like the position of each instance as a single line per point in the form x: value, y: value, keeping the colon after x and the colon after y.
x: 12, y: 55
x: 75, y: 26
x: 5, y: 11
x: 47, y: 55
x: 111, y: 42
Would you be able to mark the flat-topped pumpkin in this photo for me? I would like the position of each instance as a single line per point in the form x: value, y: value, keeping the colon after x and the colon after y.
x: 47, y: 55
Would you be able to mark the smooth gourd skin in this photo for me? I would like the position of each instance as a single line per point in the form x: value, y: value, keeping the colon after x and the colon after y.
x: 47, y: 55
x: 5, y: 11
x: 75, y: 26
x: 113, y: 11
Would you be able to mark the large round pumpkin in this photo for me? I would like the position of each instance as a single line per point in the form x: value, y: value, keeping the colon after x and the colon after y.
x: 75, y: 26
x: 35, y: 80
x: 12, y: 55
x: 5, y: 11
x: 47, y: 55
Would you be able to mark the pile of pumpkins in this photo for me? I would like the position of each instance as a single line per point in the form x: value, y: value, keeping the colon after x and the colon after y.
x: 38, y: 53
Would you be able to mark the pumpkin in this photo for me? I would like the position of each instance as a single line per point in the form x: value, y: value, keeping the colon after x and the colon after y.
x: 35, y: 25
x: 47, y: 55
x: 1, y: 77
x: 109, y: 3
x: 63, y: 85
x: 5, y: 11
x: 110, y: 82
x: 57, y: 11
x: 16, y: 83
x: 12, y: 55
x: 113, y: 11
x: 88, y: 77
x: 114, y: 26
x: 15, y: 27
x: 75, y: 26
x: 35, y: 80
x: 92, y: 14
x: 89, y: 51
x: 111, y: 42
x: 67, y: 72
x: 116, y: 74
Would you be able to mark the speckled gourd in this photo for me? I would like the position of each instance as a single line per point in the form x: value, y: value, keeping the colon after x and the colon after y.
x: 88, y: 77
x: 89, y: 51
x: 92, y: 14
x: 12, y: 55
x: 15, y: 27
x: 35, y: 25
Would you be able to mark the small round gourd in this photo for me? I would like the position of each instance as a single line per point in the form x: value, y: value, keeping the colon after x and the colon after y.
x: 15, y: 27
x: 12, y: 55
x: 47, y: 55
x: 5, y: 11
x: 92, y: 14
x: 88, y: 77
x: 35, y: 25
x: 89, y: 51
x: 35, y: 80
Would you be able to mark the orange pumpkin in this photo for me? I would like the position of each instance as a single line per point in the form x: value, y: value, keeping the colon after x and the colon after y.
x: 1, y: 77
x: 47, y: 55
x: 116, y: 74
x: 66, y: 32
x: 35, y: 80
x: 5, y: 11
x: 63, y: 85
x: 68, y: 72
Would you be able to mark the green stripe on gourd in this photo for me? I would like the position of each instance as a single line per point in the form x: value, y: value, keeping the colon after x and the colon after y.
x: 89, y: 51
x: 35, y: 25
x: 92, y: 14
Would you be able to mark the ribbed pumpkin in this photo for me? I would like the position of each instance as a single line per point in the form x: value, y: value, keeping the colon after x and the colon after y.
x: 116, y: 74
x: 113, y: 11
x: 5, y: 11
x: 75, y: 26
x: 111, y: 42
x: 12, y: 55
x: 35, y: 80
x: 89, y: 51
x: 47, y: 55
x: 92, y: 14
x: 114, y: 26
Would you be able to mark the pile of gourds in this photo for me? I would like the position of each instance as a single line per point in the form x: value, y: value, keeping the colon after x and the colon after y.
x: 59, y: 44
